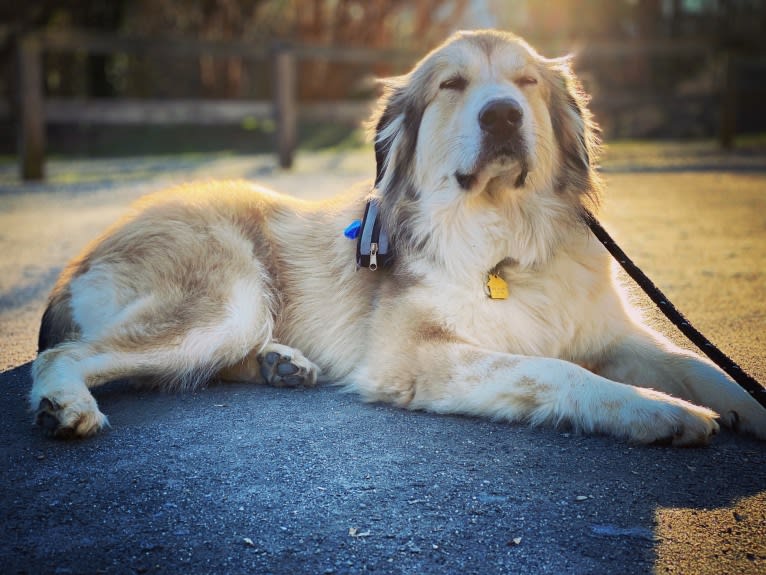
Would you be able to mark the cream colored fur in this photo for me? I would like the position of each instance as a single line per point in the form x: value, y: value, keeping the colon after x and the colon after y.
x: 228, y: 280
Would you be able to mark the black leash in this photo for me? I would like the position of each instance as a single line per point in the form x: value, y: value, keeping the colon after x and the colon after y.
x: 744, y: 379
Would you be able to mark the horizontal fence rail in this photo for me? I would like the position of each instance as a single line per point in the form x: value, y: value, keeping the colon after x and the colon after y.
x: 35, y: 111
x: 201, y: 112
x: 153, y: 112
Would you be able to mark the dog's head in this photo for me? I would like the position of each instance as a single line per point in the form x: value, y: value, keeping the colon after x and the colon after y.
x: 484, y: 114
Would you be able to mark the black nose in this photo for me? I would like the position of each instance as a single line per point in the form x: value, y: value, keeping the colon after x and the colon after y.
x: 501, y: 118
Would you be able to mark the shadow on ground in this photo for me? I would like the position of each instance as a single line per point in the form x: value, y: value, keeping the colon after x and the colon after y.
x: 241, y: 478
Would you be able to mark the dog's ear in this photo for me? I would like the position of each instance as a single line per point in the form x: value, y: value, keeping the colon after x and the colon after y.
x: 575, y: 130
x: 394, y: 128
x: 383, y: 135
x: 386, y: 122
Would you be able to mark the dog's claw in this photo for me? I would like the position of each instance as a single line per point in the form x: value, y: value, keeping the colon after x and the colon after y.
x: 47, y: 421
x: 734, y: 420
x: 47, y: 404
x: 45, y: 416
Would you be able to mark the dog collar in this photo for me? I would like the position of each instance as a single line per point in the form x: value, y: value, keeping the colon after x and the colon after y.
x: 372, y: 246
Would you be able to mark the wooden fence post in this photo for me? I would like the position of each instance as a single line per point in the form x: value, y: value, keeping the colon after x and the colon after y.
x: 31, y: 127
x: 727, y: 125
x: 285, y: 104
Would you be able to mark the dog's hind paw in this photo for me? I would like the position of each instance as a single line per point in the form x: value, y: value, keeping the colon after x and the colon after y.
x: 69, y: 421
x: 283, y: 366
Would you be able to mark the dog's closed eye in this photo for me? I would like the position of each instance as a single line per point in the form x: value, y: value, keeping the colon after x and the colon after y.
x: 457, y: 83
x: 524, y: 81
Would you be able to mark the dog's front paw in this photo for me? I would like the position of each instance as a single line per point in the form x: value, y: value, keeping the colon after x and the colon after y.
x: 70, y: 417
x: 664, y: 420
x: 748, y: 418
x: 283, y: 366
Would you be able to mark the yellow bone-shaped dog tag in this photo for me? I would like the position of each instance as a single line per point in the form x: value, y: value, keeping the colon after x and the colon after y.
x: 497, y: 286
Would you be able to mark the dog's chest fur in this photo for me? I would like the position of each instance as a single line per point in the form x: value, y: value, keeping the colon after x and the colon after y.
x: 333, y: 313
x: 549, y: 310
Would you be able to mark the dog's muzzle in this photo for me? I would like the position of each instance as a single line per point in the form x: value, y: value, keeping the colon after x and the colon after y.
x: 500, y: 121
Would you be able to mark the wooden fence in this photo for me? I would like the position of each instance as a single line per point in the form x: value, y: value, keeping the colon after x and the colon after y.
x: 35, y: 110
x: 283, y: 107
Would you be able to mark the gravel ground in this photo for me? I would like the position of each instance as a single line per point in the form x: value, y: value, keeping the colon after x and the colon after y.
x: 249, y: 479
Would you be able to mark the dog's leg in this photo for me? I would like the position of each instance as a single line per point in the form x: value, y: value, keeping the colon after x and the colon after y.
x: 63, y: 375
x: 152, y: 343
x: 275, y: 364
x: 648, y: 360
x: 62, y: 378
x: 460, y: 378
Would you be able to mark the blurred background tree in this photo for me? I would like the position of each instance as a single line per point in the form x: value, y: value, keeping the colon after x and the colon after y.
x: 349, y: 23
x: 617, y: 41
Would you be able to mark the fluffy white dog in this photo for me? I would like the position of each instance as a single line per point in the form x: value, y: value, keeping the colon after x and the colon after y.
x: 497, y: 300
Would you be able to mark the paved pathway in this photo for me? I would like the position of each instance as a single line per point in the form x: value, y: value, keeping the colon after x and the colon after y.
x: 248, y: 479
